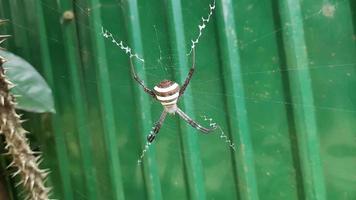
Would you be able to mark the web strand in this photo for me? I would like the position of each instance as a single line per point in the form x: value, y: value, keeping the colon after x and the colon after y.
x: 202, y: 26
x: 105, y: 33
x: 145, y: 149
x: 223, y: 136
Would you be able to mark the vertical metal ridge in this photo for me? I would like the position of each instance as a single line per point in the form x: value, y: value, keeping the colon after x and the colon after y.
x: 286, y: 95
x: 80, y: 112
x: 150, y: 169
x: 236, y: 105
x: 193, y: 165
x: 106, y: 107
x: 301, y: 88
x: 18, y: 18
x: 61, y: 149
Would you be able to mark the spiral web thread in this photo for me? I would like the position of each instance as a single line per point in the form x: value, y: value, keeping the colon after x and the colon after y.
x: 223, y: 136
x: 120, y: 44
x: 145, y: 149
x: 202, y: 26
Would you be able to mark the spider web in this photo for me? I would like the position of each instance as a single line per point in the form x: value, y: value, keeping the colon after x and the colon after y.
x: 153, y: 66
x: 163, y: 65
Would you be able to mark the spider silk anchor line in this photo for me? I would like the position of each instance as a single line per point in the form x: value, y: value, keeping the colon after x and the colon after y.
x: 222, y: 134
x: 120, y: 44
x: 202, y: 27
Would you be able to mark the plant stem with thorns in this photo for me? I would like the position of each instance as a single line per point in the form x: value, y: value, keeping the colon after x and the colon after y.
x: 23, y: 158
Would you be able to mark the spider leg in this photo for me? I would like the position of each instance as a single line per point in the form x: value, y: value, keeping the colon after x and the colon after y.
x: 139, y: 81
x: 190, y: 74
x: 193, y: 123
x: 155, y: 129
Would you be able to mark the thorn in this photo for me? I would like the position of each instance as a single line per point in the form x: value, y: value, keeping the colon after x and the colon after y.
x: 22, y: 121
x: 17, y: 95
x: 48, y: 189
x: 8, y: 82
x: 12, y: 131
x: 10, y: 165
x: 37, y: 153
x: 23, y: 131
x: 25, y: 180
x: 6, y: 154
x: 2, y: 61
x: 44, y: 171
x: 4, y: 36
x: 36, y: 158
x: 8, y: 145
x: 2, y: 100
x: 23, y: 163
x: 19, y: 183
x: 3, y: 39
x: 44, y: 175
x: 39, y: 161
x: 17, y: 115
x: 16, y: 173
x: 9, y: 87
x: 3, y: 21
x: 32, y: 184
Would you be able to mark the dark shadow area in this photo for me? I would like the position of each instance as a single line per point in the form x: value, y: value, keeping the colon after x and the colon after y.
x: 287, y: 94
x: 3, y: 191
x: 7, y: 184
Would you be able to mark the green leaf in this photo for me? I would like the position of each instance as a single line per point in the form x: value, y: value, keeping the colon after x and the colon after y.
x: 34, y: 93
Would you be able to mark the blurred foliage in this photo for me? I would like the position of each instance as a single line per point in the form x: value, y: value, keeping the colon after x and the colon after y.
x: 32, y: 92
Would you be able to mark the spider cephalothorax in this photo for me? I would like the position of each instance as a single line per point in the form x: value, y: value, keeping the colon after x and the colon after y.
x: 168, y: 93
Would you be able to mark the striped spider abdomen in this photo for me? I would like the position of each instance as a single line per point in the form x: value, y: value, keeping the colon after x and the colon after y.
x: 167, y: 92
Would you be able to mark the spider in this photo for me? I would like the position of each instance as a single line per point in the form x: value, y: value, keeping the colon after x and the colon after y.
x: 168, y: 93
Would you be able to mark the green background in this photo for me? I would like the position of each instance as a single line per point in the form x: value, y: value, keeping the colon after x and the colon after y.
x: 278, y: 77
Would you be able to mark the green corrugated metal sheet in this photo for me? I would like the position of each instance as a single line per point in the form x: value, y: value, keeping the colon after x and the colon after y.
x: 278, y: 77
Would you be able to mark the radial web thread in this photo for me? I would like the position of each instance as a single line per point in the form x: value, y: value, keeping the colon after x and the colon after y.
x: 223, y: 136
